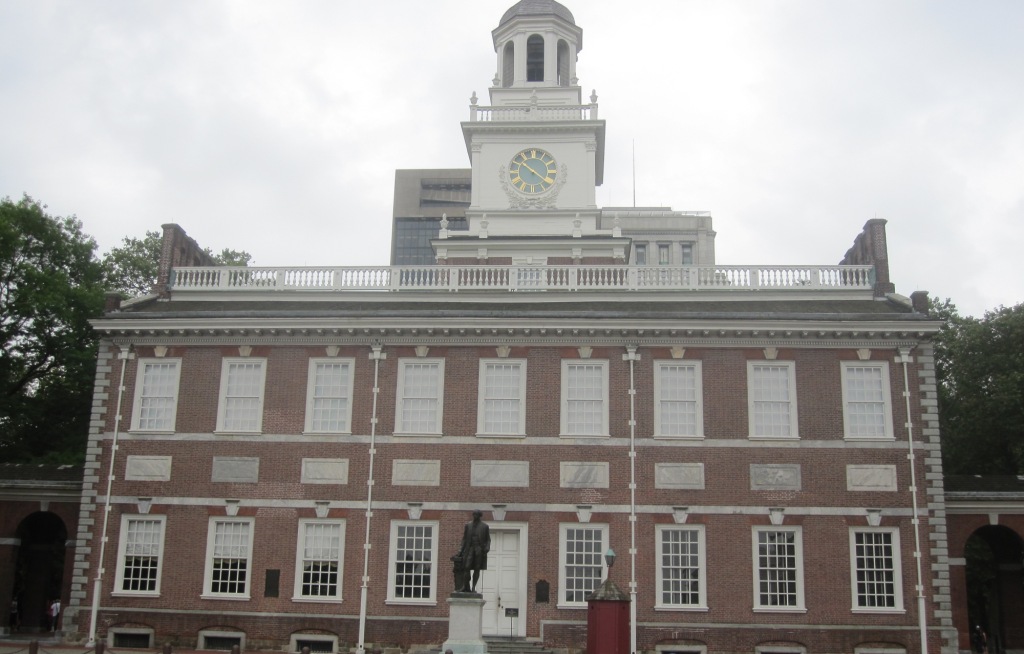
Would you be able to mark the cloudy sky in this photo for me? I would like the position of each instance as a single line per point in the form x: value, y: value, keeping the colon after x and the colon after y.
x: 275, y: 127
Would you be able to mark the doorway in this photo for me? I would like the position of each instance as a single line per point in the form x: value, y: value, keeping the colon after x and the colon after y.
x: 503, y: 584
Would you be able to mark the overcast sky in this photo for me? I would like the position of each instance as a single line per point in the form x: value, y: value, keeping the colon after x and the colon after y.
x: 276, y: 127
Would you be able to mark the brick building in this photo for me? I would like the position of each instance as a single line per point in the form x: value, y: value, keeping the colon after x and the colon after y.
x: 297, y: 449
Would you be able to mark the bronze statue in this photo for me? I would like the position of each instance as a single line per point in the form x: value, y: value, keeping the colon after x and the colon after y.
x: 472, y: 556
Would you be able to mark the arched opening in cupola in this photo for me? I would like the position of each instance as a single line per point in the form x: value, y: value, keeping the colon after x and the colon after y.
x: 535, y: 58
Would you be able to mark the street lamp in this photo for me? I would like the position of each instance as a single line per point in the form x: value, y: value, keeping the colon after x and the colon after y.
x: 609, y: 558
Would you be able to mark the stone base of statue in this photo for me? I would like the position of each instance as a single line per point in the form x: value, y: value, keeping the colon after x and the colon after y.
x: 465, y: 624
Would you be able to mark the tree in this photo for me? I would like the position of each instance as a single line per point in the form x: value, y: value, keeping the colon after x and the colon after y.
x: 132, y: 267
x: 50, y: 286
x: 980, y: 370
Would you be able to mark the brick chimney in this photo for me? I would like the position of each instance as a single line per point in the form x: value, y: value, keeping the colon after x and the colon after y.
x: 869, y: 248
x: 177, y: 249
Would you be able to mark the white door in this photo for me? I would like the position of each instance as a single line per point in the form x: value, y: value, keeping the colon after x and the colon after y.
x: 499, y: 584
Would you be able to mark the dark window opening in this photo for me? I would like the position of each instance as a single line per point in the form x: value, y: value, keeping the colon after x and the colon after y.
x: 221, y: 642
x: 132, y: 641
x: 315, y: 646
x: 535, y: 58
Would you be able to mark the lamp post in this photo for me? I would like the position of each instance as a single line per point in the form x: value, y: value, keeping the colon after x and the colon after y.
x: 609, y: 558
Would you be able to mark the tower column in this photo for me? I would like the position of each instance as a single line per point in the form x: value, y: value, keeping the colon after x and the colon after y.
x: 550, y: 57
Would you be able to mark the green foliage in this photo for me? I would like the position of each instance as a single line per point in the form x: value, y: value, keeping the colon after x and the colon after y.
x: 50, y: 286
x: 230, y: 257
x: 132, y: 267
x: 980, y: 370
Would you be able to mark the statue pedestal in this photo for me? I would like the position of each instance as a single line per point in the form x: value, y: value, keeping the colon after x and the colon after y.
x: 465, y: 624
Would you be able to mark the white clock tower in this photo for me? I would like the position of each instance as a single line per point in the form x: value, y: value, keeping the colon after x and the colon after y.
x: 537, y: 152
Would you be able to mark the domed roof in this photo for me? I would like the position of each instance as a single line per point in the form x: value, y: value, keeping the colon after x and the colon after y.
x: 537, y: 8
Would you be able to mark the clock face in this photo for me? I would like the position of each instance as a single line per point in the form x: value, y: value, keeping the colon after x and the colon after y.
x: 532, y: 171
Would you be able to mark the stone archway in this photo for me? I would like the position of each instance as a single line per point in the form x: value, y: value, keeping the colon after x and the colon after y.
x: 39, y: 573
x: 995, y: 586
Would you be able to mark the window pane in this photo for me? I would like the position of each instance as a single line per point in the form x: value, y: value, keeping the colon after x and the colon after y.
x: 420, y: 389
x: 413, y: 566
x: 502, y: 385
x: 585, y: 399
x: 680, y: 567
x: 230, y: 564
x: 330, y: 397
x: 141, y: 565
x: 777, y: 568
x: 678, y: 400
x: 321, y: 554
x: 157, y: 401
x: 875, y: 570
x: 583, y: 562
x: 243, y: 390
x: 865, y: 399
x: 771, y: 400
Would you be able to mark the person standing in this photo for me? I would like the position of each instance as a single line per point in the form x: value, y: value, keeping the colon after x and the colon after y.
x: 54, y: 614
x: 15, y: 615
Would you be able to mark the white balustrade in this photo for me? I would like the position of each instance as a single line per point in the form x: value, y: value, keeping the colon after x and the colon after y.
x: 530, y: 112
x: 524, y: 278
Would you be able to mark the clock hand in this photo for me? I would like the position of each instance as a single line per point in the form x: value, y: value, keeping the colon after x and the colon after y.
x: 527, y: 166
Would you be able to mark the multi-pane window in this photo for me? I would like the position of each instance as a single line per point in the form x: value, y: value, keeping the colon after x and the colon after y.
x: 229, y: 557
x: 664, y: 254
x: 778, y: 568
x: 679, y: 411
x: 771, y: 399
x: 420, y: 396
x: 641, y: 254
x: 502, y: 410
x: 241, y: 395
x: 585, y: 398
x: 582, y: 555
x: 140, y: 555
x: 329, y: 396
x: 411, y: 577
x: 319, y: 559
x: 687, y: 254
x: 875, y: 570
x: 867, y: 412
x: 156, y: 395
x: 681, y: 565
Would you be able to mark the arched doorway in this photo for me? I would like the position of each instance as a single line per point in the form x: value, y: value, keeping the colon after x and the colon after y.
x: 995, y: 586
x: 40, y: 568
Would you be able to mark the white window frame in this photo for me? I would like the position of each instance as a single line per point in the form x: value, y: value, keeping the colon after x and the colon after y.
x: 798, y: 553
x: 563, y: 533
x: 122, y: 554
x: 659, y: 367
x: 348, y: 377
x: 640, y: 252
x: 887, y: 429
x: 435, y: 429
x: 435, y: 568
x: 483, y: 398
x: 702, y: 596
x: 566, y: 365
x: 666, y: 250
x: 140, y: 387
x: 794, y: 421
x: 300, y: 557
x: 897, y: 570
x: 226, y: 364
x: 211, y: 533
